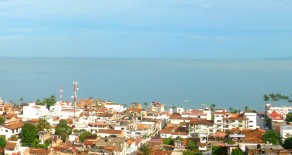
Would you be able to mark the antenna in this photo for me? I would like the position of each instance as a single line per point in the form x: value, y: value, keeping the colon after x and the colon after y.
x: 75, y: 86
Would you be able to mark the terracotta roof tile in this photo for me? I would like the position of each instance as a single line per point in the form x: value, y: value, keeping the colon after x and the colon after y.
x: 98, y: 123
x: 9, y: 116
x: 276, y: 116
x: 201, y: 122
x: 109, y: 131
x: 14, y: 125
x: 36, y: 151
x: 10, y: 145
x: 89, y: 142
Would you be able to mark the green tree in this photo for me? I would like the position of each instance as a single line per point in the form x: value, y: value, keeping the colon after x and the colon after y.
x: 266, y: 98
x: 191, y: 145
x: 189, y: 152
x: 288, y: 143
x: 63, y: 130
x: 288, y: 117
x: 47, y: 101
x: 212, y: 107
x: 268, y: 122
x: 83, y: 134
x: 216, y: 150
x: 28, y: 134
x: 43, y: 125
x: 145, y: 103
x: 38, y: 101
x: 21, y: 99
x: 272, y: 136
x: 237, y: 151
x: 145, y: 149
x: 246, y: 108
x: 50, y: 101
x: 2, y: 141
x: 2, y: 120
x: 168, y: 141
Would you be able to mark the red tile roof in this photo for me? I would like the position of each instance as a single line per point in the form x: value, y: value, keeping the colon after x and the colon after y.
x: 201, y: 122
x: 276, y: 116
x: 110, y: 131
x: 39, y: 151
x: 14, y: 125
x: 10, y: 145
x: 98, y: 123
x: 89, y: 142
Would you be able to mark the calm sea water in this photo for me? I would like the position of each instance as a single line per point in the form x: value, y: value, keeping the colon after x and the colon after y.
x: 186, y: 83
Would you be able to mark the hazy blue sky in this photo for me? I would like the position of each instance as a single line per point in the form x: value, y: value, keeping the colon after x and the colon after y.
x: 146, y: 28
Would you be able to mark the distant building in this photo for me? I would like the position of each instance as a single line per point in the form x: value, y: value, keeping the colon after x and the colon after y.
x: 33, y: 111
x: 225, y: 120
x: 11, y: 129
x: 285, y: 131
x: 263, y: 149
x: 282, y: 110
x: 156, y: 107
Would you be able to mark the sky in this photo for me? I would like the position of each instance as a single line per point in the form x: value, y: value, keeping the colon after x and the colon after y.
x: 192, y: 29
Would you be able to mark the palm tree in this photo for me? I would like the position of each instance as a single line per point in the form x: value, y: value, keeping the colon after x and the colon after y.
x: 145, y: 103
x: 21, y: 99
x: 145, y: 149
x: 266, y: 98
x: 246, y: 108
x: 212, y: 107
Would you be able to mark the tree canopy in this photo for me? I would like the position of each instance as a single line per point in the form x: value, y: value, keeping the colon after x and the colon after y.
x: 191, y: 145
x: 47, y: 101
x: 43, y: 124
x: 2, y: 141
x: 2, y: 120
x: 63, y: 129
x: 28, y: 134
x: 237, y: 151
x: 288, y: 117
x: 268, y: 122
x: 189, y: 152
x: 276, y: 97
x: 83, y: 134
x: 168, y: 141
x: 145, y: 149
x: 287, y: 143
x: 272, y: 136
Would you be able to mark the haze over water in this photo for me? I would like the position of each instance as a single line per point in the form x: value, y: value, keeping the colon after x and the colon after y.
x: 186, y: 83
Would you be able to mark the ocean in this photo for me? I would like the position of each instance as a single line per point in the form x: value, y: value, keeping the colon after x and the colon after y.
x: 184, y: 83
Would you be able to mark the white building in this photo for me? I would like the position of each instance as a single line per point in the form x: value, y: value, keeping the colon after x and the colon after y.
x: 115, y: 107
x: 200, y: 127
x: 156, y: 107
x: 11, y: 129
x: 180, y: 110
x: 252, y: 119
x: 218, y: 118
x: 226, y: 121
x: 33, y: 111
x: 285, y: 131
x: 282, y: 110
x: 64, y: 110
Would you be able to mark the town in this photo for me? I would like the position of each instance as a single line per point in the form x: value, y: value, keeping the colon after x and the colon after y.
x: 94, y: 126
